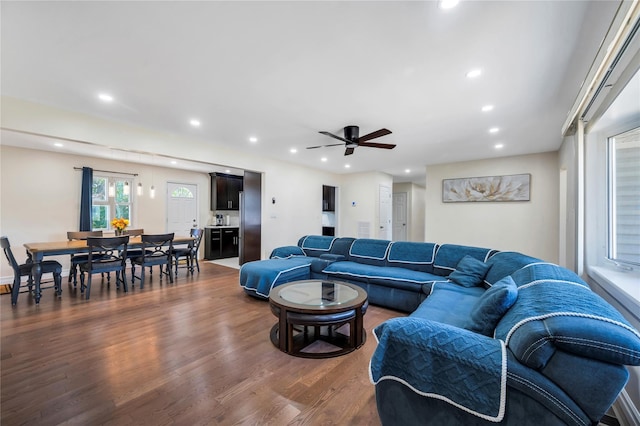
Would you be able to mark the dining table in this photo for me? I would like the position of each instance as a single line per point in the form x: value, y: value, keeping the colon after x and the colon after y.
x: 38, y: 251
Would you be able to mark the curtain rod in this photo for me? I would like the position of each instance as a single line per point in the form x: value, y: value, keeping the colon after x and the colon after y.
x: 109, y: 171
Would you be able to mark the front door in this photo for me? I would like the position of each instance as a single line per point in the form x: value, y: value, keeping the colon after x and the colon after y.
x: 182, y: 208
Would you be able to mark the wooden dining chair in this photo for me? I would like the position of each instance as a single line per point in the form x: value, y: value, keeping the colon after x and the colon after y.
x: 24, y: 270
x: 190, y: 253
x: 134, y: 233
x: 106, y: 254
x: 77, y: 259
x: 157, y: 249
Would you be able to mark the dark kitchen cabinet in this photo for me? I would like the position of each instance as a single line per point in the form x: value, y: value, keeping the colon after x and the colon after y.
x: 230, y: 242
x: 328, y: 198
x: 225, y: 191
x: 221, y: 243
x: 212, y: 240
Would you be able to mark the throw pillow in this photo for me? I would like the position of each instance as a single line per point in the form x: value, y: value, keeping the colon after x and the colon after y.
x: 491, y: 307
x: 469, y: 272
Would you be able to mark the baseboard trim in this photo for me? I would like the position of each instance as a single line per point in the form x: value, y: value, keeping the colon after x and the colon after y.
x: 625, y: 410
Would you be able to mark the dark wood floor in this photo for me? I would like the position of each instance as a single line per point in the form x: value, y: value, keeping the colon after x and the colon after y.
x: 193, y: 352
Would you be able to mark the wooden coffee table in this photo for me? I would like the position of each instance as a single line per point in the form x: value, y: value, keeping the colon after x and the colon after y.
x: 317, y: 318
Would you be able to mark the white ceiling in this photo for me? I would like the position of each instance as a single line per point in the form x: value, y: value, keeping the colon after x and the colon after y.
x: 282, y: 71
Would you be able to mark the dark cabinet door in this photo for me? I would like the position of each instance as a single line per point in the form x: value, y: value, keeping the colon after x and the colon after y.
x: 212, y: 243
x: 234, y: 188
x: 230, y: 242
x: 225, y: 191
x: 222, y: 193
x: 328, y: 198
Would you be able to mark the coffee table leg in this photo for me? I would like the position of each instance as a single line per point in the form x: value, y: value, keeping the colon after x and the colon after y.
x: 359, y: 326
x: 284, y: 331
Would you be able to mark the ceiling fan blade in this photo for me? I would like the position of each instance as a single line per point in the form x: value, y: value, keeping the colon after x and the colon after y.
x: 373, y: 135
x: 334, y: 136
x: 324, y: 146
x: 349, y: 151
x: 377, y: 145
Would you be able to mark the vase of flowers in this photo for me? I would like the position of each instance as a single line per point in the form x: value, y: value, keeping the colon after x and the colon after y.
x: 120, y: 224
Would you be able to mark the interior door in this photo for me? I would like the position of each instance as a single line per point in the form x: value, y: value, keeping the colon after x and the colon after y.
x: 400, y: 216
x: 250, y: 238
x: 386, y: 208
x: 182, y: 208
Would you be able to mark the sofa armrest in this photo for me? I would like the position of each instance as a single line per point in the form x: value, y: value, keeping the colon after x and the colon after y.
x: 332, y: 257
x: 445, y: 362
x: 286, y: 251
x: 318, y: 265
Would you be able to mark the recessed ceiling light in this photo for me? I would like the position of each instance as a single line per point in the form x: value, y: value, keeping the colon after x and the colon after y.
x: 474, y: 73
x: 194, y: 122
x: 324, y: 159
x: 494, y: 130
x: 105, y: 97
x: 174, y: 162
x: 227, y: 171
x: 447, y: 4
x: 498, y: 146
x: 347, y: 166
x: 293, y: 150
x: 253, y: 139
x: 487, y: 108
x: 407, y: 170
x: 58, y: 144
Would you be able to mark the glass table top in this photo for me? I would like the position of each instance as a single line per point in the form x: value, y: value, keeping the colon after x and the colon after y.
x: 318, y: 293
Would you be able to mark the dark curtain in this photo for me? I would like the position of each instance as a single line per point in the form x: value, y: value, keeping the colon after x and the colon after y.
x: 85, y: 199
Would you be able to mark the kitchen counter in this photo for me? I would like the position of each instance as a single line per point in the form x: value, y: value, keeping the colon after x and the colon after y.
x: 221, y: 226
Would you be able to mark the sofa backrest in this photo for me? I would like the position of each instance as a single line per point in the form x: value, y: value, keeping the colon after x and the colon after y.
x: 369, y: 251
x: 316, y: 245
x: 448, y: 256
x: 412, y: 255
x: 506, y: 263
x: 342, y: 246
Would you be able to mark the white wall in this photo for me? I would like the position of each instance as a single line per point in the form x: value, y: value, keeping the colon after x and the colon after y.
x: 363, y: 190
x: 530, y: 227
x: 415, y: 209
x: 41, y: 196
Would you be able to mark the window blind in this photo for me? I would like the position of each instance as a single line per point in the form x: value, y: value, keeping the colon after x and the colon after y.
x: 624, y: 199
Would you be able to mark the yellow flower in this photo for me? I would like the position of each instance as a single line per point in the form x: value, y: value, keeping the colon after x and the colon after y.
x: 120, y: 223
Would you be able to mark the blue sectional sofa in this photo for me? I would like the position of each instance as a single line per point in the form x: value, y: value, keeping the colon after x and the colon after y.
x: 491, y: 337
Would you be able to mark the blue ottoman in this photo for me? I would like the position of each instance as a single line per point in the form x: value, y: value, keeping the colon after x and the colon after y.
x: 259, y: 277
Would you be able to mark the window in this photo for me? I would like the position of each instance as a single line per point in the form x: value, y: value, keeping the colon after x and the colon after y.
x: 182, y: 192
x: 110, y: 201
x: 624, y: 197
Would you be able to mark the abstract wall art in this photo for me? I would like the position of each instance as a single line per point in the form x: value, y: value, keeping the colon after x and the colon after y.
x: 487, y: 188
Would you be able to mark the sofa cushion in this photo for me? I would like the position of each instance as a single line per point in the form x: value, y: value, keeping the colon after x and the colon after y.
x: 445, y: 295
x: 369, y: 251
x: 412, y: 255
x: 469, y: 272
x: 492, y: 306
x: 448, y: 256
x: 405, y: 279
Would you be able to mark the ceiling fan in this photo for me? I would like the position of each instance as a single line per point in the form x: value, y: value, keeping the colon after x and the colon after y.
x: 352, y: 140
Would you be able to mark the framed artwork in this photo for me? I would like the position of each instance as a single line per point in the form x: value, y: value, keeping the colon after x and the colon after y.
x: 487, y: 188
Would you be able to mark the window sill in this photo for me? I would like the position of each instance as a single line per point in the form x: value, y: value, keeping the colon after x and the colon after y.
x: 622, y: 286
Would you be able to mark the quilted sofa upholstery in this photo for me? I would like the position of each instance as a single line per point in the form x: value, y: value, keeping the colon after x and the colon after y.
x: 555, y: 355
